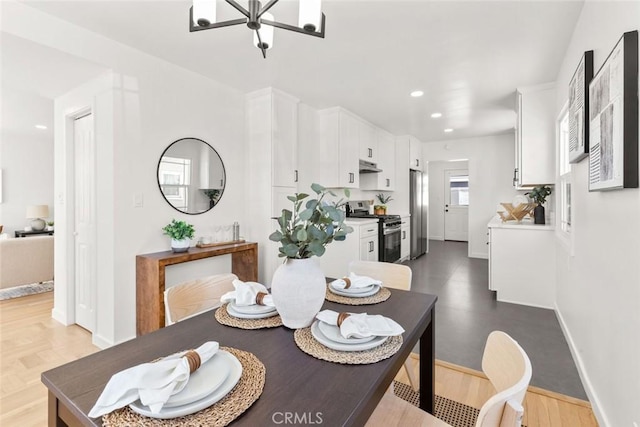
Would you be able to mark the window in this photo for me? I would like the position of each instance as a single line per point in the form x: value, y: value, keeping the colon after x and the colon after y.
x: 459, y: 190
x: 175, y: 177
x: 564, y: 177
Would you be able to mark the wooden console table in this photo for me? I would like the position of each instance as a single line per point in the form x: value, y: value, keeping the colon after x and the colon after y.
x: 150, y: 277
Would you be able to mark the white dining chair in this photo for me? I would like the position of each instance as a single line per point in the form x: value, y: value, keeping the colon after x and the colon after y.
x: 395, y: 276
x: 508, y: 368
x: 191, y: 298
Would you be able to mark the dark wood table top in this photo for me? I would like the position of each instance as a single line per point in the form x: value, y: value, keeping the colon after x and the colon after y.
x: 295, y: 381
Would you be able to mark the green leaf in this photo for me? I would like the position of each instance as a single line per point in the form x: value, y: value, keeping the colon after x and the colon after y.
x: 317, y: 248
x: 276, y: 236
x: 347, y: 192
x: 302, y: 196
x: 312, y: 204
x: 317, y: 188
x: 291, y: 250
x: 302, y: 235
x: 306, y: 214
x: 292, y: 198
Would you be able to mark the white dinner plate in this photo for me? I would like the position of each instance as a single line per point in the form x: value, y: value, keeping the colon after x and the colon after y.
x: 252, y: 309
x: 322, y: 339
x: 204, y: 381
x: 374, y: 290
x: 353, y: 290
x: 233, y: 312
x: 332, y: 332
x: 235, y: 372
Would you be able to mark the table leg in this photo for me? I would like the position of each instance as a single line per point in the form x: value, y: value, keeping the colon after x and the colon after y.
x: 428, y: 366
x: 53, y: 420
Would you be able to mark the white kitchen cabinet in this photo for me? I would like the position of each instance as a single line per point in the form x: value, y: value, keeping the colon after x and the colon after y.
x: 271, y: 118
x: 535, y: 136
x: 369, y: 242
x: 405, y: 237
x: 336, y: 162
x: 368, y: 142
x: 362, y: 244
x: 522, y: 263
x: 385, y: 180
x: 415, y: 152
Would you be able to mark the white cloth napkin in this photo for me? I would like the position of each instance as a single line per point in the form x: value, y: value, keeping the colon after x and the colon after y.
x: 153, y: 383
x: 356, y: 282
x: 362, y: 325
x: 245, y: 294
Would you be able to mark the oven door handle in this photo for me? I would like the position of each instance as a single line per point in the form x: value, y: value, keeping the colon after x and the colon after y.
x: 392, y: 229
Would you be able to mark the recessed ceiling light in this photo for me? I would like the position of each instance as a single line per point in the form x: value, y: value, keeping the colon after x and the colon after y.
x: 447, y: 130
x: 43, y: 127
x: 436, y: 115
x: 417, y: 93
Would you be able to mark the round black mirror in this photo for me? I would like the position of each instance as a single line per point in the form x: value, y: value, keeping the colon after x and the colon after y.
x: 191, y: 176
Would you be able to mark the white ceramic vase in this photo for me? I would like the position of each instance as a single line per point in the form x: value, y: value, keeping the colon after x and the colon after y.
x: 298, y: 288
x: 180, y: 245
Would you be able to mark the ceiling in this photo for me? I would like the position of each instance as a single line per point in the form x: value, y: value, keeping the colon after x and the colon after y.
x: 467, y: 57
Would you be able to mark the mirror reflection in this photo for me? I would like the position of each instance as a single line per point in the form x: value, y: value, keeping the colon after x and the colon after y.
x: 191, y: 176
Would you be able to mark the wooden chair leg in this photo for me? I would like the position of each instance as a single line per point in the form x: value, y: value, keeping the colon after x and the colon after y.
x: 413, y: 379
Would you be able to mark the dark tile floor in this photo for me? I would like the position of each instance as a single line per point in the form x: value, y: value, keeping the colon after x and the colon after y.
x: 466, y: 312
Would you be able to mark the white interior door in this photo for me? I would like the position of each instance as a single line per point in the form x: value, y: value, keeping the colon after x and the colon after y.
x: 456, y: 208
x: 85, y: 221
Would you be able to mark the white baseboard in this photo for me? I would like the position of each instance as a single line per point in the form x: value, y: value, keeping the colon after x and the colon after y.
x: 479, y: 255
x: 59, y: 316
x: 586, y: 383
x: 436, y: 238
x: 101, y: 342
x: 499, y: 299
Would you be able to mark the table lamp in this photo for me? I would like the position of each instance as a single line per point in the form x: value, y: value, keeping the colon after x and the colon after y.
x: 36, y: 213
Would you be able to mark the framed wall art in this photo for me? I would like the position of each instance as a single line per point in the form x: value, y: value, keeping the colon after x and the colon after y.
x: 613, y: 119
x: 579, y: 109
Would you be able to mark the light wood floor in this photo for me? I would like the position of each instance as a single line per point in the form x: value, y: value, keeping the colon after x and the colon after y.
x: 31, y: 342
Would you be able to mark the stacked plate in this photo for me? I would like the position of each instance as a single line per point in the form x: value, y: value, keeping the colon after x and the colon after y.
x: 250, y: 311
x: 207, y: 385
x: 367, y: 291
x: 329, y: 336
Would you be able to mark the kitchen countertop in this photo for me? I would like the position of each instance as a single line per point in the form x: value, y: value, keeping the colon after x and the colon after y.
x: 360, y: 221
x: 525, y: 224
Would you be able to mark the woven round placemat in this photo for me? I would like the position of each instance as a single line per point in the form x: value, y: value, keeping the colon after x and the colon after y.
x: 381, y: 296
x: 224, y: 318
x: 221, y: 413
x: 307, y: 343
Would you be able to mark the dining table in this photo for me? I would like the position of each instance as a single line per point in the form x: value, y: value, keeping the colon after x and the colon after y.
x: 297, y: 385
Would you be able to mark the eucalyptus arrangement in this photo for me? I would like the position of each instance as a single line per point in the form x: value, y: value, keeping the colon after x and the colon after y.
x: 539, y: 194
x: 310, y: 226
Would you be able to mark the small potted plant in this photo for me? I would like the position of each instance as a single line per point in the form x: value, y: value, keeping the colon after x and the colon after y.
x: 213, y: 195
x: 381, y: 209
x: 539, y: 195
x: 181, y: 234
x: 298, y: 285
x: 49, y: 225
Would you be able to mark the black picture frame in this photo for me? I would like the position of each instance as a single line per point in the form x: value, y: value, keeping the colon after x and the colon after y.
x: 613, y: 119
x: 579, y: 108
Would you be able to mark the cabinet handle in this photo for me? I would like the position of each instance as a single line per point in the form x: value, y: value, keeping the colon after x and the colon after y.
x: 370, y: 246
x: 295, y: 175
x: 388, y: 182
x: 515, y: 177
x: 370, y: 152
x: 404, y: 235
x: 351, y: 178
x: 418, y: 162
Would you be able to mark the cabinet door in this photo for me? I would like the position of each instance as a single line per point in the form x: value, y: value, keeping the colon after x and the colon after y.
x: 489, y: 256
x: 284, y: 145
x: 415, y: 154
x: 387, y: 161
x: 405, y: 241
x: 348, y: 151
x: 368, y: 143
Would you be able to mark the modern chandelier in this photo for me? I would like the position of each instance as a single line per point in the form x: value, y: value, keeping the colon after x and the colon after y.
x: 202, y: 16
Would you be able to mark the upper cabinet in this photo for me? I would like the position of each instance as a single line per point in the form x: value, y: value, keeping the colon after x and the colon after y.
x: 535, y: 130
x: 415, y: 154
x: 385, y: 180
x: 336, y: 162
x: 368, y: 142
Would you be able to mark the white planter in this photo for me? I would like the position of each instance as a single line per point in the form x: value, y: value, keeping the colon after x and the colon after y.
x: 180, y: 245
x: 298, y: 288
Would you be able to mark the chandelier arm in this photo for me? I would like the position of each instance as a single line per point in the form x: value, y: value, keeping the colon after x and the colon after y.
x: 229, y: 23
x: 240, y: 9
x: 260, y: 45
x: 296, y: 29
x: 267, y: 7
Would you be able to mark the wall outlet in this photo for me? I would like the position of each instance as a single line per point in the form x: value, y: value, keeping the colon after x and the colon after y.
x: 138, y: 200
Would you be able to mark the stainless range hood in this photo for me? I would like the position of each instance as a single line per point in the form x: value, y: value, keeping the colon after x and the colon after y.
x: 368, y: 167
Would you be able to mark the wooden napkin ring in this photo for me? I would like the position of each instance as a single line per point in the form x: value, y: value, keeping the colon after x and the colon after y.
x: 193, y: 358
x: 259, y: 297
x: 347, y: 282
x: 341, y: 317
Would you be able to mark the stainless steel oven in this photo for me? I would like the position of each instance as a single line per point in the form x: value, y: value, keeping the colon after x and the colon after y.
x: 390, y: 240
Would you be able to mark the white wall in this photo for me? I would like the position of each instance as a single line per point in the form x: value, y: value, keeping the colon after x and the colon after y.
x: 491, y: 162
x: 598, y: 289
x: 437, y: 195
x: 26, y: 160
x: 154, y: 103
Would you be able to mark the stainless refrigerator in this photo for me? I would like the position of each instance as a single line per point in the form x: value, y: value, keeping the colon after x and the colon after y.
x: 418, y: 209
